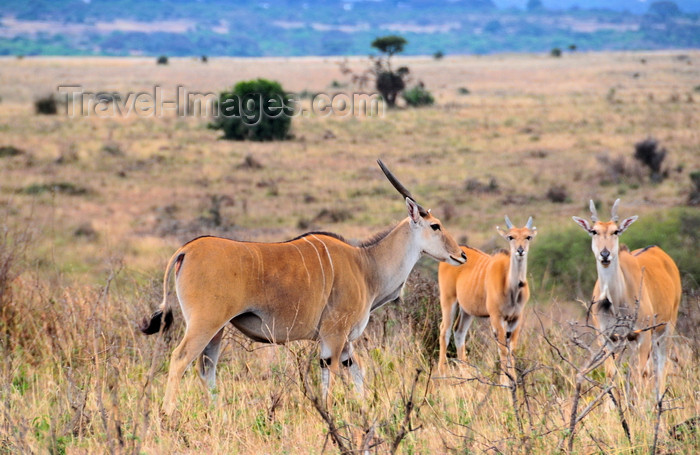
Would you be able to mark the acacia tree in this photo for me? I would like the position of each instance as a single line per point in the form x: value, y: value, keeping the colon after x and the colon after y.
x: 389, y: 82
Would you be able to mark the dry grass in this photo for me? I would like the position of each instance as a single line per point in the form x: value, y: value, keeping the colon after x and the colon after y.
x: 78, y: 378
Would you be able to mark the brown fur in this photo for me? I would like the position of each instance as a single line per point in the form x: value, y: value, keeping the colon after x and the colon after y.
x: 314, y: 287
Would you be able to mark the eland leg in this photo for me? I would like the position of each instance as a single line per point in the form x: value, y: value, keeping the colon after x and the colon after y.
x: 645, y: 365
x: 449, y: 312
x: 197, y: 337
x: 660, y: 353
x: 465, y: 321
x: 206, y: 364
x: 503, y: 341
x: 331, y: 348
x: 348, y: 360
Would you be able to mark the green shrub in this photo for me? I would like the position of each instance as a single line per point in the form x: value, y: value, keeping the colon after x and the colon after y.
x: 693, y: 197
x: 651, y: 154
x: 563, y: 259
x: 46, y: 105
x: 418, y: 96
x: 162, y: 60
x: 257, y: 110
x: 10, y: 150
x: 337, y: 84
x: 556, y: 52
x: 59, y: 187
x: 558, y: 194
x: 438, y: 55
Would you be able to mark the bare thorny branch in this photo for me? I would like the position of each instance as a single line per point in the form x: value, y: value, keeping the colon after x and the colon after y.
x: 340, y: 434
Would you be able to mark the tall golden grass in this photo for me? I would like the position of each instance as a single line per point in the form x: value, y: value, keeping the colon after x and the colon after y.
x: 78, y: 377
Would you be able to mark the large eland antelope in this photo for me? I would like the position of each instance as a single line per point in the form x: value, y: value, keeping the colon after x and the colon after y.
x: 314, y: 287
x: 487, y: 286
x: 648, y: 276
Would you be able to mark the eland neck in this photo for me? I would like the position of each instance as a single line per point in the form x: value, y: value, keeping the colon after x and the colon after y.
x: 392, y: 259
x: 611, y: 281
x: 517, y: 273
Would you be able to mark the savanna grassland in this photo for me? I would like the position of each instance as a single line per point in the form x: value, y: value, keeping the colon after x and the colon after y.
x: 92, y: 208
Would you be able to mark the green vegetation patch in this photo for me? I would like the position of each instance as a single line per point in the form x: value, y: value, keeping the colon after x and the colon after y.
x: 256, y: 110
x: 418, y: 96
x: 9, y: 150
x: 68, y: 188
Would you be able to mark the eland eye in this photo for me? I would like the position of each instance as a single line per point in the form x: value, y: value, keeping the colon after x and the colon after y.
x: 528, y: 238
x: 510, y: 237
x: 617, y: 232
x: 436, y: 227
x: 592, y: 232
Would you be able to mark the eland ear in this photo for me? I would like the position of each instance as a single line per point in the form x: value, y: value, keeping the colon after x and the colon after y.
x: 627, y: 222
x: 583, y: 223
x: 502, y: 232
x: 413, y: 210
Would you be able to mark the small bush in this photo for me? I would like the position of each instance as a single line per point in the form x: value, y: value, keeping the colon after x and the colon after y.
x: 558, y: 194
x: 249, y: 162
x: 573, y: 47
x: 69, y: 154
x: 418, y: 96
x: 694, y: 197
x: 162, y: 60
x: 333, y: 216
x: 473, y: 185
x: 611, y: 95
x: 556, y: 52
x: 617, y: 169
x: 86, y: 231
x: 273, y: 188
x: 58, y: 187
x: 256, y: 110
x: 439, y: 55
x: 213, y: 217
x: 46, y: 105
x: 112, y: 148
x: 10, y: 150
x: 651, y: 155
x: 204, y: 59
x: 448, y: 212
x: 463, y: 91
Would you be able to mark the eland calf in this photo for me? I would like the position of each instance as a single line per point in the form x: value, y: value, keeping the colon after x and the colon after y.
x: 487, y: 286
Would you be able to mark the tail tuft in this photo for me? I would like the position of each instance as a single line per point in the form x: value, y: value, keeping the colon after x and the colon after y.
x: 152, y: 325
